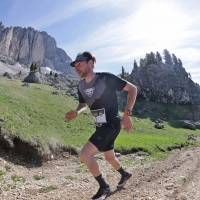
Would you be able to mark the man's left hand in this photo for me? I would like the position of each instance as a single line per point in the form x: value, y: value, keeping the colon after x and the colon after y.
x: 126, y: 123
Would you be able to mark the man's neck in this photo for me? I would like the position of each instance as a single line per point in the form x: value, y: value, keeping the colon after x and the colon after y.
x: 90, y: 76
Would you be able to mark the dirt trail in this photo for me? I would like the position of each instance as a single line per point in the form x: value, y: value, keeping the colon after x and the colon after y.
x: 175, y: 178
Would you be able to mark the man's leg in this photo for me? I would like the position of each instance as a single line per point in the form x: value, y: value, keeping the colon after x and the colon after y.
x: 111, y: 158
x: 87, y: 156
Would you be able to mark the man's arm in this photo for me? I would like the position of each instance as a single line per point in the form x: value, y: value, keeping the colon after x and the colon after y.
x: 73, y: 113
x: 81, y: 108
x: 132, y: 93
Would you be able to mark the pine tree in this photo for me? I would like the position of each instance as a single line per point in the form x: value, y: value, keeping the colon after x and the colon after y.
x: 56, y: 75
x: 152, y: 58
x: 147, y: 60
x: 142, y: 62
x: 135, y: 64
x: 50, y: 73
x: 175, y: 60
x: 158, y: 57
x: 123, y: 73
x: 167, y: 57
x: 180, y: 62
x: 36, y: 67
x: 32, y: 67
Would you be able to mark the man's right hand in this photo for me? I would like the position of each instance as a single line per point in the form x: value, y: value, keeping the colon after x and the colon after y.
x: 70, y: 115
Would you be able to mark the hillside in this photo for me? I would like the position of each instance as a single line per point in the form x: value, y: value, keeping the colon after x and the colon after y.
x: 33, y: 130
x: 40, y: 128
x: 165, y: 83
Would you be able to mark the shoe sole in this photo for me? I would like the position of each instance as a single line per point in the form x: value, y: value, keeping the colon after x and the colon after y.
x: 104, y: 196
x: 129, y: 176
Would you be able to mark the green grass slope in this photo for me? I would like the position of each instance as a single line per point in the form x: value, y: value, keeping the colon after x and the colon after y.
x: 36, y: 115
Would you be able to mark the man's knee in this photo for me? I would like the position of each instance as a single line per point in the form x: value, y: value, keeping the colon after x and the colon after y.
x: 85, y: 156
x: 110, y: 159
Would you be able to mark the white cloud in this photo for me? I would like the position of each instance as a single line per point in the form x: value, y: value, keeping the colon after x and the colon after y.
x: 122, y: 36
x: 133, y: 28
x: 154, y: 27
x: 64, y: 10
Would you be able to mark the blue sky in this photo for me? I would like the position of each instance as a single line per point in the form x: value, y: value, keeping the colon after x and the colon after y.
x: 116, y: 31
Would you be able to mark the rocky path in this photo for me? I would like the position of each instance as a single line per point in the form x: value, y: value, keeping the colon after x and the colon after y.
x: 175, y: 178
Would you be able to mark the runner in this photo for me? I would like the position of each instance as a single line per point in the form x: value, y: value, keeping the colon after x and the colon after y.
x: 98, y: 92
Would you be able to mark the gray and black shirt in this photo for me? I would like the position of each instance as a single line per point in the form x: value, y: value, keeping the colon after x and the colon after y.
x: 101, y: 96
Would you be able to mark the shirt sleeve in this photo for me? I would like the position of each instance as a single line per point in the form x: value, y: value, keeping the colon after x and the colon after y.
x: 80, y: 97
x: 115, y: 82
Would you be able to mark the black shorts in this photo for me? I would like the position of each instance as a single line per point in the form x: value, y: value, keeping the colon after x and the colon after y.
x: 104, y: 136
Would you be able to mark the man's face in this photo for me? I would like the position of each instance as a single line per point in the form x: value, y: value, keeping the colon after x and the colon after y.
x: 82, y: 68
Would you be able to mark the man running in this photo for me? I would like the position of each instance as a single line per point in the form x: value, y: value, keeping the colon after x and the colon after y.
x: 98, y: 92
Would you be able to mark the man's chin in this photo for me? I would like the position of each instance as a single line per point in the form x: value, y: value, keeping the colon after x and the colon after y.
x: 81, y: 75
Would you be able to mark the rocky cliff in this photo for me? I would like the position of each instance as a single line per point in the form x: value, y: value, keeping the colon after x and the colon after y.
x: 26, y: 45
x: 165, y: 83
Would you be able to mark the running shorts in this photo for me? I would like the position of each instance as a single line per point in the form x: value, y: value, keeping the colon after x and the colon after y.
x: 104, y: 136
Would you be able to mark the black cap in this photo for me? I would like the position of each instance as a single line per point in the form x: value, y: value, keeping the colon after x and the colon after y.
x: 84, y: 56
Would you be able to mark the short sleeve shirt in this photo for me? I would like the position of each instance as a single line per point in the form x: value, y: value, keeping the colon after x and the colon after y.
x: 101, y: 95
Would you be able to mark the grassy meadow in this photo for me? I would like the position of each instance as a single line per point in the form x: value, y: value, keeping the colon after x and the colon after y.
x: 36, y: 115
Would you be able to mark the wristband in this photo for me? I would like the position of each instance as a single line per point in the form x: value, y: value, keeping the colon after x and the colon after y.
x: 76, y: 112
x: 128, y: 112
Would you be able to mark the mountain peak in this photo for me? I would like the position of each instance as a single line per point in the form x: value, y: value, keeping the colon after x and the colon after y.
x: 165, y: 83
x: 27, y: 45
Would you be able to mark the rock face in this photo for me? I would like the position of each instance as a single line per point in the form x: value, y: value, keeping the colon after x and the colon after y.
x: 164, y: 83
x: 35, y: 77
x: 26, y: 45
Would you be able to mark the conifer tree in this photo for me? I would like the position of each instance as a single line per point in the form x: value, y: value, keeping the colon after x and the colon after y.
x: 158, y: 57
x: 147, y: 60
x: 167, y: 57
x: 180, y: 62
x: 175, y: 60
x: 123, y: 73
x: 152, y: 58
x: 135, y: 64
x: 36, y: 67
x: 142, y: 62
x: 56, y: 75
x: 32, y: 67
x: 50, y: 73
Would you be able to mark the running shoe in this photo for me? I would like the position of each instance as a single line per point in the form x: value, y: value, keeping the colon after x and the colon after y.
x: 102, y: 193
x: 123, y: 180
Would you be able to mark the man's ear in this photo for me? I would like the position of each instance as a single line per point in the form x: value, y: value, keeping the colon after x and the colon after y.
x: 91, y: 63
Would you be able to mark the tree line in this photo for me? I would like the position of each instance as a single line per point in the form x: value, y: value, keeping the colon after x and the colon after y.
x: 35, y: 68
x: 152, y: 58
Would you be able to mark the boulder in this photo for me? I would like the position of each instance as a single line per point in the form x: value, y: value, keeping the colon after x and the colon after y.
x: 7, y: 75
x: 188, y: 124
x: 35, y: 77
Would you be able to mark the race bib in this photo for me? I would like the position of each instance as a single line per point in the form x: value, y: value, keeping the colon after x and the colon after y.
x: 99, y: 115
